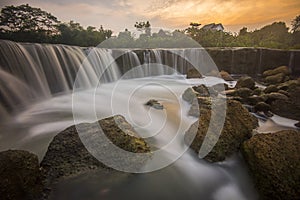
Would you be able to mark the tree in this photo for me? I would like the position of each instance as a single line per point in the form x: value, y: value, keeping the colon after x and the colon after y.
x: 144, y: 27
x: 296, y: 24
x: 25, y: 18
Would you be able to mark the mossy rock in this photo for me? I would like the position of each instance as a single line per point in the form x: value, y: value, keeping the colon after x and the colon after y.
x: 273, y: 160
x: 237, y: 128
x: 245, y: 82
x: 20, y: 175
x: 275, y: 79
x: 279, y: 70
x: 67, y: 156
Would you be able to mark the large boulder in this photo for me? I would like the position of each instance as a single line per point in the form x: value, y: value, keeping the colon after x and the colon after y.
x: 20, y: 175
x: 274, y: 162
x: 287, y: 106
x: 245, y: 82
x: 237, y: 128
x: 67, y: 156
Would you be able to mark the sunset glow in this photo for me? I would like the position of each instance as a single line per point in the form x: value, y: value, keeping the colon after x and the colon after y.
x: 173, y: 14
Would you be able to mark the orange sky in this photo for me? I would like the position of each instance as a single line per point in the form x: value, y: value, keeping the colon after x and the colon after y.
x: 173, y: 14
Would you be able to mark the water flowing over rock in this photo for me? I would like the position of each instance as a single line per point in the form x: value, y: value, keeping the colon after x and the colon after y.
x: 273, y: 160
x: 20, y: 175
x: 238, y: 127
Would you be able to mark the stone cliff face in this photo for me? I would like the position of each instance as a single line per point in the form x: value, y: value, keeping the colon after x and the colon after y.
x: 251, y: 61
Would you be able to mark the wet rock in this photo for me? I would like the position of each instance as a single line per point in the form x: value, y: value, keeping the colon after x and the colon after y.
x: 226, y: 76
x: 273, y: 160
x: 245, y: 82
x: 189, y: 95
x: 243, y: 92
x: 155, y: 104
x: 262, y: 107
x: 237, y: 128
x: 275, y: 79
x: 289, y: 85
x: 257, y: 91
x: 253, y: 100
x: 204, y: 91
x: 193, y: 73
x: 279, y: 70
x: 275, y: 96
x: 199, y: 102
x: 67, y: 156
x: 271, y: 88
x: 20, y: 175
x: 220, y: 87
x: 284, y: 92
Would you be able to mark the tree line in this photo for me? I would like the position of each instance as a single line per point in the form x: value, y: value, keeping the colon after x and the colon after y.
x: 27, y: 24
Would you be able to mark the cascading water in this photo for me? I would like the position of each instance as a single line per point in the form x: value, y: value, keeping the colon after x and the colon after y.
x: 40, y: 77
x: 33, y: 72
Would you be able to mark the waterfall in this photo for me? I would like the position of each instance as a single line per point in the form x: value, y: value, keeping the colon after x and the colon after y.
x: 31, y: 72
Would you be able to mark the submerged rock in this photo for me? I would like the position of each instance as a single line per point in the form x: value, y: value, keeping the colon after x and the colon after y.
x: 193, y: 73
x: 245, y: 82
x: 67, y: 156
x: 274, y: 160
x: 237, y: 128
x: 20, y: 175
x: 155, y: 104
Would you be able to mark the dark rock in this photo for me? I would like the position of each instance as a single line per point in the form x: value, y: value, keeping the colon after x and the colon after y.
x: 297, y: 124
x: 257, y: 91
x: 67, y: 155
x: 189, y: 95
x: 237, y: 128
x: 279, y: 70
x: 245, y: 82
x: 204, y: 91
x: 243, y: 92
x: 226, y: 76
x: 20, y: 175
x: 262, y: 107
x: 275, y: 96
x: 193, y: 73
x: 289, y: 85
x: 274, y: 160
x: 199, y: 102
x: 271, y: 88
x: 155, y: 104
x: 253, y: 100
x: 284, y: 92
x: 275, y: 79
x: 220, y: 87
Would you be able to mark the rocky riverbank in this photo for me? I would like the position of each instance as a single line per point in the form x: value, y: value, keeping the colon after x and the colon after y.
x: 24, y: 178
x: 272, y: 158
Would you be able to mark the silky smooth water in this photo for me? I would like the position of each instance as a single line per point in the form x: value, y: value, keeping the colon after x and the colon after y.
x: 189, y: 177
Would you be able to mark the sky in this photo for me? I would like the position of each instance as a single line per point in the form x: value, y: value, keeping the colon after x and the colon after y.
x: 168, y: 14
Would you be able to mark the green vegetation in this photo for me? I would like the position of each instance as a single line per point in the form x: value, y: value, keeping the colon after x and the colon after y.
x: 27, y: 24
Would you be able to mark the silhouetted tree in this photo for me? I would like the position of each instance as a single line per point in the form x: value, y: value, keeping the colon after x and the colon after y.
x: 27, y: 23
x: 296, y: 24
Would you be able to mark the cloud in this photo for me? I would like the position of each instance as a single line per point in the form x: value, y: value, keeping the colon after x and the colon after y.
x: 121, y: 14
